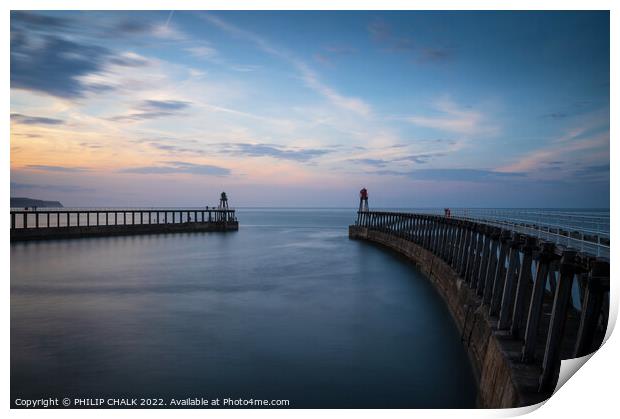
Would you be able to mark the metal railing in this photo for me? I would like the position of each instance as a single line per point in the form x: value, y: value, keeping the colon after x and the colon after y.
x: 584, y: 231
x: 96, y: 217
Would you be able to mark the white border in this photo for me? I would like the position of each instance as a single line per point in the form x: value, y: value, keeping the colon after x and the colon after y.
x: 594, y: 390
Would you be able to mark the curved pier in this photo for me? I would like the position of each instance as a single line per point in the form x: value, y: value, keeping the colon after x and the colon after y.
x: 522, y: 304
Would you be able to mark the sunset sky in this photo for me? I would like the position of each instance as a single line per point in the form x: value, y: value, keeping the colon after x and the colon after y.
x: 459, y: 109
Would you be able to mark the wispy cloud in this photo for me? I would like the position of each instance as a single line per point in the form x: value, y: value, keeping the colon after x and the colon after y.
x: 17, y: 186
x: 43, y: 60
x: 309, y: 76
x: 418, y: 158
x: 205, y: 51
x: 384, y: 35
x: 273, y: 151
x: 381, y: 32
x: 346, y: 102
x: 48, y: 168
x: 577, y: 146
x: 35, y: 120
x: 454, y: 118
x: 456, y: 175
x: 180, y: 167
x: 151, y: 109
x: 328, y: 54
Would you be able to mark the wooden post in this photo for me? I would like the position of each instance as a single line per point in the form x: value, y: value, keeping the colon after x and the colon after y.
x: 48, y: 220
x: 465, y: 250
x: 471, y: 255
x: 500, y: 272
x: 78, y: 218
x: 510, y: 283
x: 462, y: 244
x: 484, y: 261
x: 475, y: 272
x: 551, y: 361
x: 452, y: 241
x: 536, y: 301
x: 524, y: 289
x: 12, y: 221
x: 68, y: 219
x: 597, y: 285
x: 492, y: 266
x: 458, y: 231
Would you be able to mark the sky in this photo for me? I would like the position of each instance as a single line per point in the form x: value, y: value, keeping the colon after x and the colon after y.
x: 425, y: 109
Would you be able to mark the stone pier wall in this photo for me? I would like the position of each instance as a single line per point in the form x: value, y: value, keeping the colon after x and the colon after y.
x: 51, y: 233
x: 503, y: 380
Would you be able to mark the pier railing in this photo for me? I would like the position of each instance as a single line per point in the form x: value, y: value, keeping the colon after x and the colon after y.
x: 584, y: 231
x: 553, y: 300
x: 72, y: 217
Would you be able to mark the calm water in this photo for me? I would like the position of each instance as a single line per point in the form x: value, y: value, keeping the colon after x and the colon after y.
x: 286, y: 308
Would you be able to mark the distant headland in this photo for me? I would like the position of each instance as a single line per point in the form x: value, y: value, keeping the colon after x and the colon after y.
x: 29, y: 202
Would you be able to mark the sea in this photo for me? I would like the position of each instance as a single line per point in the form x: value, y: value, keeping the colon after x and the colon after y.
x: 287, y: 308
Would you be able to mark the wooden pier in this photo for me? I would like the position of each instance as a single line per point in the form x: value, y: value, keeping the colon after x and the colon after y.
x: 63, y: 223
x: 522, y: 304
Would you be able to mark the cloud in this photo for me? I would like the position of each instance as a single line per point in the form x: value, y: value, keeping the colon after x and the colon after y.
x: 164, y: 105
x: 129, y: 59
x: 163, y: 145
x: 371, y: 162
x: 151, y: 109
x: 274, y: 151
x: 330, y: 53
x: 180, y: 167
x: 555, y: 115
x: 575, y: 146
x: 27, y: 135
x: 202, y: 51
x: 346, y: 102
x: 419, y: 158
x: 599, y: 171
x: 47, y: 168
x: 381, y: 32
x: 132, y: 27
x: 43, y: 61
x: 91, y: 145
x: 309, y: 77
x: 37, y: 21
x: 46, y: 187
x: 436, y: 54
x: 457, y: 175
x: 452, y: 118
x: 35, y: 120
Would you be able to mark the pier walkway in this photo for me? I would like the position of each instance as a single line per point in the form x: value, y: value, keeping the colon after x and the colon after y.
x: 57, y: 223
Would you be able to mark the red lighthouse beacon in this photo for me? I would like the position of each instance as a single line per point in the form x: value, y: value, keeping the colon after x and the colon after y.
x: 363, y: 200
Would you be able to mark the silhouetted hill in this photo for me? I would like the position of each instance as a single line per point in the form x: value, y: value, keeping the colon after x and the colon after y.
x: 28, y: 202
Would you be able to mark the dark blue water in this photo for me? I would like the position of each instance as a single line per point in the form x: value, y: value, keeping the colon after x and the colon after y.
x: 286, y: 308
